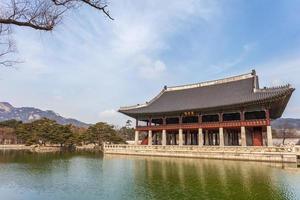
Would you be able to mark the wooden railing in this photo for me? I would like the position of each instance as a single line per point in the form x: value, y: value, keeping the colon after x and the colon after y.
x: 191, y: 148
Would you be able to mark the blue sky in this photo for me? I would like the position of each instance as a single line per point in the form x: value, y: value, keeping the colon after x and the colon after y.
x: 90, y: 66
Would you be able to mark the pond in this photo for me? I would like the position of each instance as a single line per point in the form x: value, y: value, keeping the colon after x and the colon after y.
x: 86, y: 175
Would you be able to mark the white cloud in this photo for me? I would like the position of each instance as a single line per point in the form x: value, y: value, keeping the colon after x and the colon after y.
x: 112, y: 116
x: 281, y: 71
x: 108, y: 113
x: 91, y: 61
x: 150, y: 69
x: 246, y: 49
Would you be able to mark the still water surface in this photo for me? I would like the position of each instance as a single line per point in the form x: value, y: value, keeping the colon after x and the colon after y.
x: 71, y: 176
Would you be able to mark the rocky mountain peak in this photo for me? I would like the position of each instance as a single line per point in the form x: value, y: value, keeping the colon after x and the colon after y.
x: 5, y: 107
x: 27, y: 114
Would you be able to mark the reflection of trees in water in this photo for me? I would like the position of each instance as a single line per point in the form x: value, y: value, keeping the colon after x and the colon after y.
x: 42, y: 163
x: 175, y: 178
x: 27, y: 157
x: 51, y: 172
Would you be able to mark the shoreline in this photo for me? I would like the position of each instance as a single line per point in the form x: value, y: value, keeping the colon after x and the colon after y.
x: 45, y: 149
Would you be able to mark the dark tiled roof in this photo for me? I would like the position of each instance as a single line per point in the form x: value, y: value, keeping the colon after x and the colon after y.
x: 220, y: 93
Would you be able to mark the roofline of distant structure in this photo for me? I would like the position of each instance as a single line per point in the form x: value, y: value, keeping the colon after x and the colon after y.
x: 195, y: 85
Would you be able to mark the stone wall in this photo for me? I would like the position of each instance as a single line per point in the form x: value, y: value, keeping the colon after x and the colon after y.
x: 270, y: 154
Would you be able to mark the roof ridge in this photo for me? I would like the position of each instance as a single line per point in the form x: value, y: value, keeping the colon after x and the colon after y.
x: 212, y: 82
x: 190, y: 86
x: 266, y: 89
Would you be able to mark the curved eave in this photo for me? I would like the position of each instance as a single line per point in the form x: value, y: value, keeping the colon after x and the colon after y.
x: 277, y: 103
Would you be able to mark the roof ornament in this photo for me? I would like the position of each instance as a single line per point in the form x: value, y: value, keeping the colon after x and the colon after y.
x: 165, y: 87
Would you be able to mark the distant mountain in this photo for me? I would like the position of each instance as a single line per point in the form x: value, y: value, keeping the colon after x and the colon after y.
x: 27, y: 114
x: 290, y: 123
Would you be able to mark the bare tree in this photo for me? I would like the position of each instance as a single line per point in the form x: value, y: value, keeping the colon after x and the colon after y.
x: 36, y: 14
x: 7, y: 46
x: 286, y: 131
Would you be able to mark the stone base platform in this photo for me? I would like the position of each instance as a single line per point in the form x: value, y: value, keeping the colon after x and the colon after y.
x: 266, y: 154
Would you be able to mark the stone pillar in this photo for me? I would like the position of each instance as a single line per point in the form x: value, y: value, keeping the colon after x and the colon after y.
x: 221, y: 136
x: 206, y: 138
x: 269, y: 136
x: 243, y: 136
x: 164, y: 137
x: 180, y: 137
x: 150, y: 137
x: 200, y: 137
x: 136, y: 138
x: 188, y: 140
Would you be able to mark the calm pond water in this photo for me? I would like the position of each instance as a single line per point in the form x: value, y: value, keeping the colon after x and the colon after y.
x: 64, y: 176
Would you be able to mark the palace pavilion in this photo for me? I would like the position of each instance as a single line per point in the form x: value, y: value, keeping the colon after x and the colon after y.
x: 232, y: 111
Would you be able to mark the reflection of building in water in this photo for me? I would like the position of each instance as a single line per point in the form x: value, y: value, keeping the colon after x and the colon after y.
x: 233, y: 111
x: 211, y: 179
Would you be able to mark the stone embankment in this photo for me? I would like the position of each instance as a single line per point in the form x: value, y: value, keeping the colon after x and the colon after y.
x: 14, y: 147
x: 268, y: 154
x: 47, y: 148
x: 33, y: 148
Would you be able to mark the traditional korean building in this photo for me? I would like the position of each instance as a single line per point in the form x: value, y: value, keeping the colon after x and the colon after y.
x: 232, y: 111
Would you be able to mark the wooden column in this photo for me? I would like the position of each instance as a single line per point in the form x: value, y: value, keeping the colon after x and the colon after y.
x: 221, y: 117
x: 150, y: 137
x: 221, y: 137
x: 164, y: 137
x: 180, y: 138
x: 200, y: 137
x: 242, y: 115
x: 243, y: 136
x: 164, y: 121
x: 200, y: 118
x: 136, y: 137
x: 267, y: 115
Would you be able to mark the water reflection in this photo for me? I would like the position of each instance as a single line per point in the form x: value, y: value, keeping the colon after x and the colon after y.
x: 27, y: 175
x: 82, y: 175
x: 169, y: 178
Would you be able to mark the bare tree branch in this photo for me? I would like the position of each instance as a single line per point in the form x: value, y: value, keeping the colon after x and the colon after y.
x: 36, y: 14
x: 7, y: 46
x: 97, y: 4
